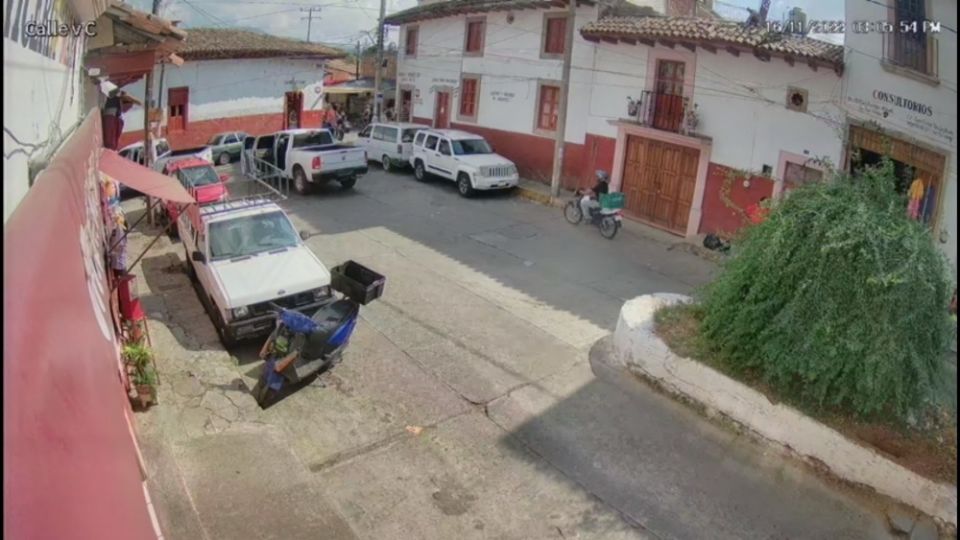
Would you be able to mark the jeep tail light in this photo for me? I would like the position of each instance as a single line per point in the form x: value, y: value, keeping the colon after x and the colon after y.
x: 317, y: 163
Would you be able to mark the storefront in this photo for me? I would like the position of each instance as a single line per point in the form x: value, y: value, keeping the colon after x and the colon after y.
x: 920, y: 170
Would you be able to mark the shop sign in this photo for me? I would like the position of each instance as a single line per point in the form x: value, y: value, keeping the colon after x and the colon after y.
x: 896, y: 111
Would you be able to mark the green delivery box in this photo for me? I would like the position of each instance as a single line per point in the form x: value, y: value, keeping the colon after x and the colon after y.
x: 611, y: 201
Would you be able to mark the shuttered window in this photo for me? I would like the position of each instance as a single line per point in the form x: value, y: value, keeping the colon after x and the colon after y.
x: 410, y: 47
x: 549, y: 104
x: 474, y: 38
x: 469, y: 91
x: 555, y: 31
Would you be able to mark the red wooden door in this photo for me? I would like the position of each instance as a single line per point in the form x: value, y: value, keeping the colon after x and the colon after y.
x: 178, y: 103
x: 668, y: 95
x: 441, y: 117
x: 406, y: 101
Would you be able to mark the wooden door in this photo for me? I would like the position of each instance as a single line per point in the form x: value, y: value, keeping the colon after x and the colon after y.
x: 292, y: 110
x: 178, y: 105
x: 658, y: 182
x: 441, y: 116
x: 406, y: 102
x: 668, y: 95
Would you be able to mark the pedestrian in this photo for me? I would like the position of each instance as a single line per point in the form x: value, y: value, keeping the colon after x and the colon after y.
x: 757, y: 212
x: 329, y: 117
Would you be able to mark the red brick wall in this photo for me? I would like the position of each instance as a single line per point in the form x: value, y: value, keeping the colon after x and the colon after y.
x: 718, y: 217
x: 199, y: 132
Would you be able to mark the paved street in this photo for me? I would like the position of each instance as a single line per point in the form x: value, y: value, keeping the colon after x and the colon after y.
x: 466, y: 406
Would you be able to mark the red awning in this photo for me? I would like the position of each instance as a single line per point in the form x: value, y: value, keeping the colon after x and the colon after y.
x: 142, y: 179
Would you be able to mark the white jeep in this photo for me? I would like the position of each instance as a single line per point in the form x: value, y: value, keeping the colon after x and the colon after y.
x: 462, y: 157
x: 246, y: 257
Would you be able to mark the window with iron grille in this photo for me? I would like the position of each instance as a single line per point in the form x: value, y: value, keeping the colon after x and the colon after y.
x: 469, y: 92
x: 474, y: 36
x: 554, y: 35
x: 908, y: 45
x: 548, y: 106
x: 410, y: 47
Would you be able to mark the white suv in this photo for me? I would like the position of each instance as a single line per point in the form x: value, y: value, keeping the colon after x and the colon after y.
x: 462, y: 157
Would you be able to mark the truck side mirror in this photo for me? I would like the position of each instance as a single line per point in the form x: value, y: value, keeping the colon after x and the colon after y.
x: 198, y: 257
x: 304, y: 235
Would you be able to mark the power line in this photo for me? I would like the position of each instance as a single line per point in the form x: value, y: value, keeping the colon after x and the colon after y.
x: 309, y: 11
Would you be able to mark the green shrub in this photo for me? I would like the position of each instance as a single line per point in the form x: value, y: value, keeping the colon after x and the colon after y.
x: 838, y: 300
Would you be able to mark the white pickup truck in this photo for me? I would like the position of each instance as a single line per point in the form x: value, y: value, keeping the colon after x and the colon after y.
x: 245, y: 255
x: 311, y: 157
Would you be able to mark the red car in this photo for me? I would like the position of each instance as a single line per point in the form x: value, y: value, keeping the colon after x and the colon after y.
x: 200, y: 179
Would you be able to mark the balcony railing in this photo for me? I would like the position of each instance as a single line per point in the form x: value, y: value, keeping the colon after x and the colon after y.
x: 667, y: 112
x: 916, y: 52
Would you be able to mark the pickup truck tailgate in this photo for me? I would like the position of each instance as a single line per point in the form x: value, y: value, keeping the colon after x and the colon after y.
x: 345, y: 157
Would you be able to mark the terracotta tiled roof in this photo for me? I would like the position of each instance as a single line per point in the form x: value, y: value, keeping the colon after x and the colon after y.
x: 715, y: 32
x: 210, y: 43
x: 450, y: 8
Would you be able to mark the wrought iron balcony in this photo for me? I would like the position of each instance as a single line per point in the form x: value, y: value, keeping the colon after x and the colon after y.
x: 667, y: 112
x: 917, y: 52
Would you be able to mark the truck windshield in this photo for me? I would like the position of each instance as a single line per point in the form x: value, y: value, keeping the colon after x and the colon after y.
x: 162, y: 148
x: 198, y: 176
x: 469, y: 147
x: 250, y: 235
x: 314, y: 138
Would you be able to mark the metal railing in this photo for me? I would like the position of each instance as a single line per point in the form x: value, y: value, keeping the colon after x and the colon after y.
x: 918, y: 52
x: 667, y: 112
x: 263, y: 171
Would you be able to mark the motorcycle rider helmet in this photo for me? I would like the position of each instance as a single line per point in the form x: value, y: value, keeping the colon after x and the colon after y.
x: 602, y: 176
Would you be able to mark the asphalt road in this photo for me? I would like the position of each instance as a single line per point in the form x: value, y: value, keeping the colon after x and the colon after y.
x: 466, y: 406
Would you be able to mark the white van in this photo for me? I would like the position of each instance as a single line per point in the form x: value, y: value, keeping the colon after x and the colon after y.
x: 389, y: 143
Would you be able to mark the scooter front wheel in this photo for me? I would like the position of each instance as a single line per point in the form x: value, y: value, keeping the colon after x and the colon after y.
x: 609, y: 227
x: 573, y: 213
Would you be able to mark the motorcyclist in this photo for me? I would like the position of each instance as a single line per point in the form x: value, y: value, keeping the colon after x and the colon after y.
x: 590, y: 200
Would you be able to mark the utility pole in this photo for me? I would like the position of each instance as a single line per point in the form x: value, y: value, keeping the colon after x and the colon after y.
x: 564, y: 98
x: 148, y: 157
x: 378, y: 97
x: 309, y: 11
x: 359, y: 59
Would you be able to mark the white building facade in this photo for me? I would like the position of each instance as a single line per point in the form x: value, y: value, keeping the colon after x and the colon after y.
x: 670, y: 117
x: 234, y: 80
x: 900, y: 94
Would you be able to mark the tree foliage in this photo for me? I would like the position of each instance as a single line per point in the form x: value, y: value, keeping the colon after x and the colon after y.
x: 838, y: 300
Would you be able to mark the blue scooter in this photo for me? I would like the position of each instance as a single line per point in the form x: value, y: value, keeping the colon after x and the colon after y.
x: 302, y: 347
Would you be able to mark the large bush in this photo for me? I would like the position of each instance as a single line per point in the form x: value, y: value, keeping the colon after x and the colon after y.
x: 838, y: 300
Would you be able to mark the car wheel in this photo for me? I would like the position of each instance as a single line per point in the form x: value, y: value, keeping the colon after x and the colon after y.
x: 387, y: 165
x: 348, y: 183
x: 223, y: 159
x: 464, y: 186
x: 300, y: 182
x: 419, y: 172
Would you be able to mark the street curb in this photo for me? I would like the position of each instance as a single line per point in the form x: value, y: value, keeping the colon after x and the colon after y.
x: 635, y: 346
x: 538, y: 197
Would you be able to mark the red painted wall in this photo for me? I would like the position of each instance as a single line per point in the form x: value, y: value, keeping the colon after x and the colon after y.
x: 199, y: 132
x: 533, y: 154
x: 720, y: 219
x: 69, y: 461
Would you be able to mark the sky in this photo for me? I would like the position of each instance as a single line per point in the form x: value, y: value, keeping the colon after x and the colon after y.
x: 349, y: 21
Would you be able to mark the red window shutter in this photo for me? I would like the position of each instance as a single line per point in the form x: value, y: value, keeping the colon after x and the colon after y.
x: 549, y: 96
x: 177, y: 103
x: 468, y: 98
x: 556, y: 30
x: 475, y: 36
x: 411, y: 47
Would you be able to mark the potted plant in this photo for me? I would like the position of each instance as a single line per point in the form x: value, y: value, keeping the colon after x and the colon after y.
x: 145, y: 381
x: 139, y: 360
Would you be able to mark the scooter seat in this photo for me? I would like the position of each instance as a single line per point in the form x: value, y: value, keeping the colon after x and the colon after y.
x: 329, y: 319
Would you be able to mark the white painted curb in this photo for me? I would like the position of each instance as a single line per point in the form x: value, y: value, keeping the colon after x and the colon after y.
x: 636, y: 346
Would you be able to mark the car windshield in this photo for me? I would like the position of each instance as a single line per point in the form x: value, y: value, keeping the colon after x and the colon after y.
x: 409, y: 134
x: 162, y: 148
x: 314, y: 138
x: 250, y: 235
x: 469, y: 147
x: 198, y: 176
x: 214, y: 140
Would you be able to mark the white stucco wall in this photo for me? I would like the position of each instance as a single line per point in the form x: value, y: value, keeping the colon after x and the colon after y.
x: 510, y: 68
x: 741, y: 100
x: 228, y: 88
x: 865, y: 75
x: 43, y: 96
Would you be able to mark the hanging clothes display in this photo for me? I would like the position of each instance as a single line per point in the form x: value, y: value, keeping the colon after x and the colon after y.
x: 118, y: 240
x: 915, y: 197
x: 929, y: 204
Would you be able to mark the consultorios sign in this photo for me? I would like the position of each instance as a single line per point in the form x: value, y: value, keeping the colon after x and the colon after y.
x: 916, y: 117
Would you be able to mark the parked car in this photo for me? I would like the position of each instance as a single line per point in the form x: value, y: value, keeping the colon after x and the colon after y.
x: 464, y: 158
x: 311, y: 157
x: 227, y: 146
x: 246, y: 256
x: 198, y: 152
x: 200, y: 179
x: 134, y: 152
x: 390, y: 144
